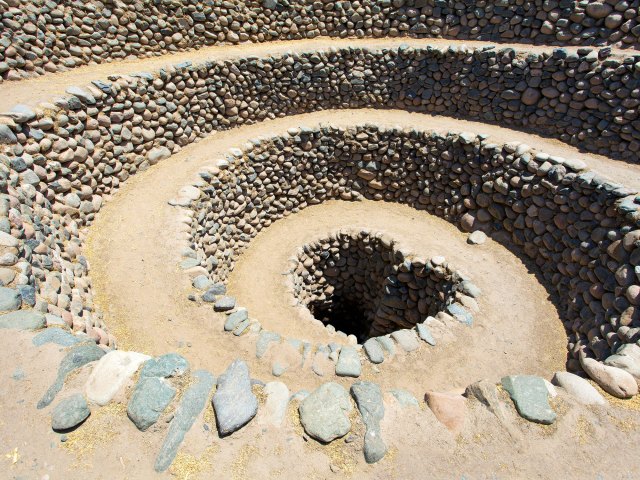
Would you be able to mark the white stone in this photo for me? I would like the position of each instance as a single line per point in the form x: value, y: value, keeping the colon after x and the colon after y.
x: 275, y: 408
x: 7, y: 240
x: 578, y: 388
x: 111, y: 373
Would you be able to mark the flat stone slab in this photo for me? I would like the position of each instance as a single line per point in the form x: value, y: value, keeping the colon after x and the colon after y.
x: 70, y: 412
x: 275, y: 408
x: 460, y: 313
x: 150, y: 398
x: 23, y: 320
x: 404, y: 398
x: 368, y: 398
x: 57, y: 336
x: 264, y: 340
x: 10, y: 299
x: 387, y: 345
x: 111, y: 373
x: 165, y: 366
x: 530, y: 396
x: 77, y: 357
x: 193, y: 401
x: 324, y: 412
x: 224, y: 304
x: 578, y: 388
x: 425, y: 334
x: 348, y: 363
x: 234, y: 403
x: 407, y: 340
x: 374, y: 351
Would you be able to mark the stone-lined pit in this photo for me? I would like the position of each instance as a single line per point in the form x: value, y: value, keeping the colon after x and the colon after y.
x: 580, y: 232
x: 361, y: 283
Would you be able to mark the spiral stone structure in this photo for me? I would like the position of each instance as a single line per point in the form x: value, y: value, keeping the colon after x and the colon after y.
x: 331, y: 229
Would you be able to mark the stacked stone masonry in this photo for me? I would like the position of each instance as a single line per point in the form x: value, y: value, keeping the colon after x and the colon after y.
x: 580, y: 232
x: 60, y: 159
x: 360, y: 270
x: 51, y: 35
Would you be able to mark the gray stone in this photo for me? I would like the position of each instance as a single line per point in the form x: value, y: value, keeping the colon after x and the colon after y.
x: 234, y: 403
x: 373, y: 350
x: 404, y: 398
x: 626, y: 358
x: 213, y: 291
x: 150, y: 398
x: 23, y: 320
x: 368, y: 398
x: 487, y: 394
x: 407, y: 340
x: 234, y: 319
x: 264, y: 340
x: 193, y: 401
x: 70, y: 412
x: 57, y: 336
x: 201, y: 282
x: 425, y: 334
x: 579, y: 388
x: 324, y: 413
x: 460, y: 313
x: 158, y: 153
x: 22, y: 113
x: 28, y: 294
x: 18, y: 374
x: 387, y: 345
x: 224, y: 304
x: 77, y: 357
x: 7, y: 137
x: 188, y: 263
x: 530, y: 396
x: 10, y: 299
x: 165, y: 366
x: 348, y: 364
x: 277, y: 369
x: 477, y: 238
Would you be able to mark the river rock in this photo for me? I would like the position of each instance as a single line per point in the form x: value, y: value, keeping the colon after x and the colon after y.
x: 150, y: 398
x: 70, y: 412
x: 23, y: 320
x: 578, y: 388
x: 10, y: 299
x: 373, y: 350
x: 234, y: 403
x: 324, y: 413
x: 614, y: 381
x: 348, y: 364
x: 111, y: 374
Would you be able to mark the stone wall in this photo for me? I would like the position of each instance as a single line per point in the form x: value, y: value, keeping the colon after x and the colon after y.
x: 570, y: 96
x: 575, y: 228
x: 61, y: 159
x: 47, y: 36
x: 361, y: 282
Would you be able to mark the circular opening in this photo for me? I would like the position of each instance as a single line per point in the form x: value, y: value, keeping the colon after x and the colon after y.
x: 359, y: 283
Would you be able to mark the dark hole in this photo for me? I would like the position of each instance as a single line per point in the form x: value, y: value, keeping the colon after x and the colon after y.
x: 344, y: 314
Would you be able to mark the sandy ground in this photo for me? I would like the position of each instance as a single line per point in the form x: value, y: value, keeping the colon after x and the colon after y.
x: 585, y: 443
